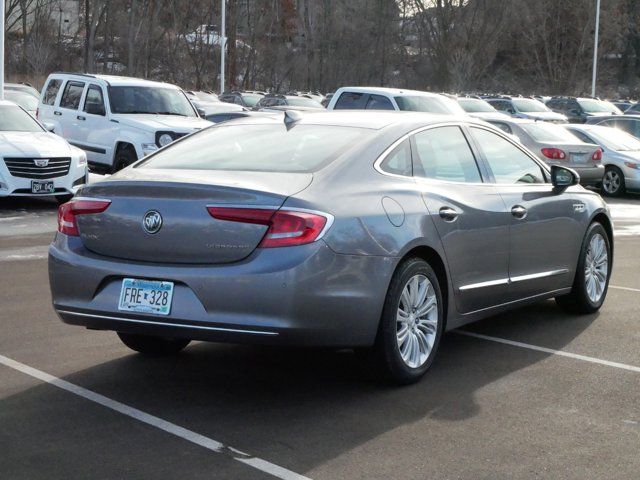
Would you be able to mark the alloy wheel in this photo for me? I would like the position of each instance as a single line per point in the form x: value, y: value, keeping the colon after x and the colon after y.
x: 611, y: 182
x: 596, y: 268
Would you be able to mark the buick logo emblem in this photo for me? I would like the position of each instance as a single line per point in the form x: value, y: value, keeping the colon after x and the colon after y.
x: 152, y: 221
x: 41, y: 162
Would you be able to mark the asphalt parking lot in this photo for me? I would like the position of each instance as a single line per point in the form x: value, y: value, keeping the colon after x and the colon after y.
x: 533, y: 393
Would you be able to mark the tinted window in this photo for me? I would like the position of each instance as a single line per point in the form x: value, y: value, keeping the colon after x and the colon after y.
x: 508, y: 163
x: 398, y: 161
x: 349, y: 101
x: 444, y: 154
x: 529, y: 105
x: 503, y: 126
x: 378, y: 102
x: 71, y: 95
x: 51, y: 92
x: 501, y: 105
x: 424, y: 103
x: 259, y: 148
x: 14, y: 119
x: 547, y: 133
x: 94, y: 103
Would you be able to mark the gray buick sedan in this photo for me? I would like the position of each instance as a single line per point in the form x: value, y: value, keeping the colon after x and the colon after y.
x: 376, y: 231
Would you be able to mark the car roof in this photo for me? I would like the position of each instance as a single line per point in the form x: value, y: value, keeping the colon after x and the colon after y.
x: 396, y: 92
x: 115, y: 80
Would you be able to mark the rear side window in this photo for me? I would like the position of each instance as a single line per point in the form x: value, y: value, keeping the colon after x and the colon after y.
x: 378, y: 102
x: 71, y: 95
x: 398, y: 162
x: 51, y: 91
x: 443, y: 154
x: 349, y: 101
x: 259, y: 148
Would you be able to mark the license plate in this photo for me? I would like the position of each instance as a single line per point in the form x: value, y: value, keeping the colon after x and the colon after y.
x: 39, y: 186
x: 578, y: 157
x: 146, y: 296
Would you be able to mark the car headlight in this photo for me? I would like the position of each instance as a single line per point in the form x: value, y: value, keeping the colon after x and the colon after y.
x: 164, y: 138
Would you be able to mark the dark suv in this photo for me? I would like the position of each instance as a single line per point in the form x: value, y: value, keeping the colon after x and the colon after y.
x: 276, y: 100
x: 246, y: 99
x: 578, y: 109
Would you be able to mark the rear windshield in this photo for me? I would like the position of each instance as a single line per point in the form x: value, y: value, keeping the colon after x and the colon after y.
x: 527, y: 105
x: 545, y: 132
x: 421, y: 103
x: 14, y: 119
x: 474, y: 105
x: 259, y: 148
x: 303, y: 102
x: 251, y: 100
x: 598, y: 106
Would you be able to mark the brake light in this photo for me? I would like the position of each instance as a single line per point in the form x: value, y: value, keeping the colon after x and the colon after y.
x: 287, y: 228
x: 597, y: 155
x: 67, y: 213
x: 554, y: 153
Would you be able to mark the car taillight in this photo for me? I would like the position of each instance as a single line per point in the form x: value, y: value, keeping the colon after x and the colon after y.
x: 554, y: 153
x: 67, y: 213
x: 287, y: 228
x: 597, y: 155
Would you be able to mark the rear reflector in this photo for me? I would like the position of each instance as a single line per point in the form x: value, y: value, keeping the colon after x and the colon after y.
x: 554, y: 153
x: 67, y: 213
x: 287, y: 228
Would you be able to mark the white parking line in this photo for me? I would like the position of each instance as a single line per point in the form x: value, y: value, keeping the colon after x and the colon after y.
x: 625, y: 288
x: 172, y: 428
x: 575, y: 356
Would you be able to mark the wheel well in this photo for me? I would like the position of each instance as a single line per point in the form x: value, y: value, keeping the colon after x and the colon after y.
x: 432, y: 257
x: 123, y: 146
x: 603, y: 220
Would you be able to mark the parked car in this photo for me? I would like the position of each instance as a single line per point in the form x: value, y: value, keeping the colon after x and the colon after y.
x: 579, y: 110
x: 626, y: 123
x: 35, y: 162
x: 633, y: 109
x: 116, y: 120
x: 276, y: 100
x: 25, y: 100
x: 555, y: 145
x: 22, y: 87
x: 225, y: 117
x: 521, y: 107
x: 379, y: 98
x: 208, y: 104
x: 377, y: 232
x: 244, y: 99
x: 478, y: 108
x: 620, y: 157
x: 623, y: 105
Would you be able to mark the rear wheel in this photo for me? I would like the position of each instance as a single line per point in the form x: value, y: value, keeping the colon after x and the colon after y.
x: 125, y: 156
x: 613, y: 181
x: 411, y: 324
x: 153, y: 345
x: 592, y: 275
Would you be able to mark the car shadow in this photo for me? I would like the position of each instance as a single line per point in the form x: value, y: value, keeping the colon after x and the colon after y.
x: 302, y: 407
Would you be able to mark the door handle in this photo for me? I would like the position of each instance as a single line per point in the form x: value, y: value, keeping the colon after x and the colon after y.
x: 519, y: 211
x: 57, y: 113
x: 448, y: 214
x: 80, y: 117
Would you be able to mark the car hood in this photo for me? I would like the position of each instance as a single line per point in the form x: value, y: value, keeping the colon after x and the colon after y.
x: 150, y: 121
x: 30, y: 144
x: 544, y: 115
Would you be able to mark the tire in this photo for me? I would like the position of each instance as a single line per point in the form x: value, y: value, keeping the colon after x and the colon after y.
x: 153, y: 345
x: 392, y: 357
x: 63, y: 198
x: 125, y: 156
x: 613, y: 182
x: 579, y: 300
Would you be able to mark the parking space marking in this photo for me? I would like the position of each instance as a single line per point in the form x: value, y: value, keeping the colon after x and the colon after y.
x: 625, y: 288
x: 157, y: 422
x: 584, y: 358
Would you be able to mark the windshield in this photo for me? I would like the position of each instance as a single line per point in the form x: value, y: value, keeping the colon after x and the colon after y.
x: 164, y: 101
x: 14, y: 119
x: 474, y: 105
x: 423, y: 103
x: 548, y: 133
x: 616, y: 139
x: 26, y: 101
x: 303, y: 102
x: 251, y: 100
x: 528, y: 105
x: 598, y: 106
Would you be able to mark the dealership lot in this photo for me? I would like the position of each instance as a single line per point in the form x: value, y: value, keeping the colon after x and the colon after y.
x: 486, y: 409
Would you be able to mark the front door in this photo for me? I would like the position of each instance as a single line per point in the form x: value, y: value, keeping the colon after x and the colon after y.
x: 95, y: 132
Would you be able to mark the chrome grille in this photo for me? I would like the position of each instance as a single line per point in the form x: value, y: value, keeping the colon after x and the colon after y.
x: 27, y: 168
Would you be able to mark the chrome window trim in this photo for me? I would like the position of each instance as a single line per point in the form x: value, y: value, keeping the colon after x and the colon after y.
x: 510, y: 280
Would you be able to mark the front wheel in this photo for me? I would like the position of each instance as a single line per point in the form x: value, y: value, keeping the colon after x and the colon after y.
x: 153, y: 345
x: 592, y: 275
x: 613, y: 182
x: 411, y: 324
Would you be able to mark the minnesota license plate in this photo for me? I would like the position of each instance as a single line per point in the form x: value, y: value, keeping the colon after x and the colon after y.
x: 39, y: 186
x: 146, y: 296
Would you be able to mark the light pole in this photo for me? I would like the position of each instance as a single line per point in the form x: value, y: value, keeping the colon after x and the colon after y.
x: 223, y: 43
x: 1, y: 49
x: 595, y: 50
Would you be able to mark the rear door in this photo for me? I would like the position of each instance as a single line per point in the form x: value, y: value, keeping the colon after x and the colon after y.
x: 545, y: 228
x: 468, y: 213
x: 48, y: 102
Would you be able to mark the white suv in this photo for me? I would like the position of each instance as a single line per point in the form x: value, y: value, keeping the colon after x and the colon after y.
x: 116, y: 120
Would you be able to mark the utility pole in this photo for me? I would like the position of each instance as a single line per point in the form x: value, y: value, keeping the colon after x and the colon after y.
x: 223, y: 43
x: 595, y: 50
x: 2, y: 50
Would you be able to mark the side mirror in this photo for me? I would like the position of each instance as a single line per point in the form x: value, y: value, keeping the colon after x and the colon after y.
x: 49, y: 127
x: 563, y: 177
x: 511, y: 111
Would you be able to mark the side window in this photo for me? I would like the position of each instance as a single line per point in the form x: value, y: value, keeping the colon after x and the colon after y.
x: 398, y: 161
x: 94, y: 101
x: 51, y: 92
x: 349, y: 101
x: 71, y: 95
x: 508, y: 163
x: 237, y: 100
x: 443, y: 154
x: 378, y: 102
x: 503, y: 126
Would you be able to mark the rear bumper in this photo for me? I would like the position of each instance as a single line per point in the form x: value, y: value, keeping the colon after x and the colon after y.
x: 590, y: 176
x: 305, y: 295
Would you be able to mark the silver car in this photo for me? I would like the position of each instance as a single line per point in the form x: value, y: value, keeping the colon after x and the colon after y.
x: 557, y: 146
x: 621, y: 156
x: 341, y: 229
